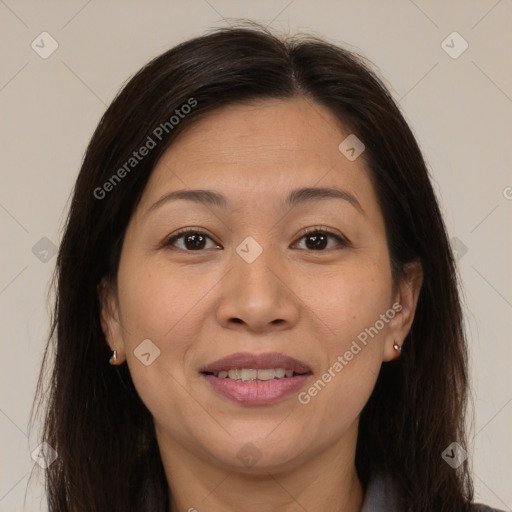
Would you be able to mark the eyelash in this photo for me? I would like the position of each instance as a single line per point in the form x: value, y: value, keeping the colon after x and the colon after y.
x: 315, y: 230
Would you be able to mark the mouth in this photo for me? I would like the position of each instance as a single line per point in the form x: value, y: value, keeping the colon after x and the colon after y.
x: 251, y: 374
x: 256, y: 379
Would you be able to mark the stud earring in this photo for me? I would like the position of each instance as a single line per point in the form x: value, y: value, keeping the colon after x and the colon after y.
x: 397, y: 347
x: 113, y: 357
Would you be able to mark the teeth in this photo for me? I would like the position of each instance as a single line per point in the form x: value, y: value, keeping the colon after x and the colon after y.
x: 234, y: 374
x: 280, y: 372
x: 248, y: 374
x: 266, y: 374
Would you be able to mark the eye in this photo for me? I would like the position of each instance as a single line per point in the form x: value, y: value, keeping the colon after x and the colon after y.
x: 317, y: 239
x: 193, y: 240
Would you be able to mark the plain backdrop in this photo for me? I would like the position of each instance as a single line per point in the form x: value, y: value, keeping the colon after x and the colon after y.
x: 457, y: 100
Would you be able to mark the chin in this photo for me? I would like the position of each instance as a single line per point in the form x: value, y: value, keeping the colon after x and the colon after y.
x: 261, y: 456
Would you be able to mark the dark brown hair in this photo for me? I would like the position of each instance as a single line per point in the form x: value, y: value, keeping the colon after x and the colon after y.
x: 108, y: 458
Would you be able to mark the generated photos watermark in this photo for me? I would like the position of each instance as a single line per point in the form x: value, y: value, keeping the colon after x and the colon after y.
x: 304, y: 397
x: 151, y: 142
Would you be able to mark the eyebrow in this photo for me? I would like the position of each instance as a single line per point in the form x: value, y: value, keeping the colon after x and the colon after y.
x: 296, y: 197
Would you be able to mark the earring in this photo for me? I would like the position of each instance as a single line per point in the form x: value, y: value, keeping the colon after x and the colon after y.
x: 397, y: 347
x: 113, y: 357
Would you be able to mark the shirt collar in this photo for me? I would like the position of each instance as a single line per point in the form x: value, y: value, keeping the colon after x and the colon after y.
x: 381, y: 495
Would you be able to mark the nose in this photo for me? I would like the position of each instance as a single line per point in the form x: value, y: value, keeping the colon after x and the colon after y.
x: 258, y: 296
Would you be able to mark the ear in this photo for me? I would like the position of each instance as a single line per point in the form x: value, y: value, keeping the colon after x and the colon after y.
x: 109, y: 316
x: 404, y: 304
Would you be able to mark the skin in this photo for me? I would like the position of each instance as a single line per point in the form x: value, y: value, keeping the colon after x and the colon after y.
x: 199, y: 306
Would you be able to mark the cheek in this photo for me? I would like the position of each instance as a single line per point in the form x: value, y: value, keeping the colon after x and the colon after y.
x: 157, y: 300
x: 350, y: 305
x: 349, y: 300
x: 157, y: 305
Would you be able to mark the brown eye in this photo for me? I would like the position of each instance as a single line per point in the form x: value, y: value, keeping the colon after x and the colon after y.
x: 318, y: 240
x: 190, y: 240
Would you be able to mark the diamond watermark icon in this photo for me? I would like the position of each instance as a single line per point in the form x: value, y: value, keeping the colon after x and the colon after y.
x: 44, y: 455
x: 147, y: 352
x: 44, y: 45
x: 249, y: 249
x: 249, y: 455
x: 454, y: 455
x: 458, y: 247
x: 351, y: 147
x: 44, y: 249
x: 454, y: 45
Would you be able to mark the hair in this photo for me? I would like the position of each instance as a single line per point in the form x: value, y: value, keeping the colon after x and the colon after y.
x: 108, y: 457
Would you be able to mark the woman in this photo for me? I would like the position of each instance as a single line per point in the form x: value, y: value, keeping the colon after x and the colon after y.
x: 256, y: 248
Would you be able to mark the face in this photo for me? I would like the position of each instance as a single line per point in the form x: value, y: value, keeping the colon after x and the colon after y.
x: 259, y: 274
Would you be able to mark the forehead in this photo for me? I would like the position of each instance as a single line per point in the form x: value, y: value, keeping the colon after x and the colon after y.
x: 260, y: 149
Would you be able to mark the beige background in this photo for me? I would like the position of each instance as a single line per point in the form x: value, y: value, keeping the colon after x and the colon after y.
x: 460, y: 110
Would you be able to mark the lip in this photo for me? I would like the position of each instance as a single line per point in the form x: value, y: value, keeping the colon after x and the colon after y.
x: 256, y: 392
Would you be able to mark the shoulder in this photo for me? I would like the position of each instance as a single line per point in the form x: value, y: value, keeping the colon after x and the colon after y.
x: 477, y: 507
x: 382, y: 496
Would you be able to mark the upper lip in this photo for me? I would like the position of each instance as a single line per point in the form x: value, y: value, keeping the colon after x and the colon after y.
x: 256, y: 362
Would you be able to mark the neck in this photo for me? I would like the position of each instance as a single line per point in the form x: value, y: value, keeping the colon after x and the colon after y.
x: 326, y: 482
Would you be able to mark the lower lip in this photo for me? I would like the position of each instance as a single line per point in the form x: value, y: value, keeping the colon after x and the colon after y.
x: 256, y: 392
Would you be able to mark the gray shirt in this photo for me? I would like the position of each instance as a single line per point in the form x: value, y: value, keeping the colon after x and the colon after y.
x: 381, y: 496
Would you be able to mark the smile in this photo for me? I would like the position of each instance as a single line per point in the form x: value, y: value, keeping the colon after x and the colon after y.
x: 245, y: 374
x: 256, y: 379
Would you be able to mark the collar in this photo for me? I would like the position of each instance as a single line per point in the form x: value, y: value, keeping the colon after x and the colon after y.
x: 381, y: 495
